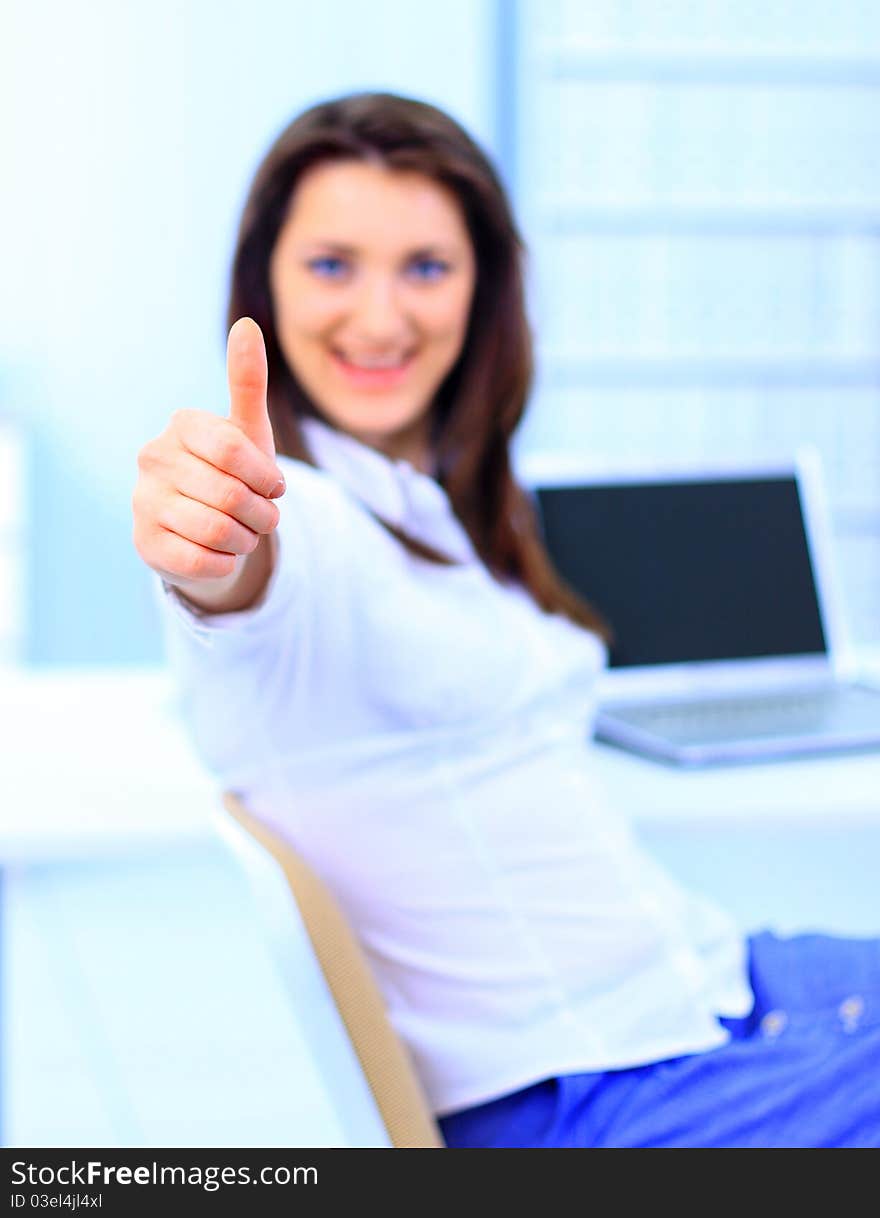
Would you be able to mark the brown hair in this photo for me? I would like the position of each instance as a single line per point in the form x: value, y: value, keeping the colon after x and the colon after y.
x: 482, y: 398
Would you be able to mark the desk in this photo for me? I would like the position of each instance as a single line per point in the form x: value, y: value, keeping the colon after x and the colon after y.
x: 96, y: 763
x: 97, y: 770
x: 790, y: 844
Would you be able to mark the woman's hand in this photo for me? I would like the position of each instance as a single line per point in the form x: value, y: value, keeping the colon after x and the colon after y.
x: 203, y: 499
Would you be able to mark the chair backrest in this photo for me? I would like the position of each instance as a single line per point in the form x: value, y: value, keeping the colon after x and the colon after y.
x: 384, y: 1082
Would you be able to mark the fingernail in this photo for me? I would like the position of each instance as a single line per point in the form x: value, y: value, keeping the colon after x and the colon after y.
x: 278, y: 489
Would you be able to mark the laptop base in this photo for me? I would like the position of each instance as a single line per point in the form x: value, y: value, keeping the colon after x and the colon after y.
x: 747, y: 728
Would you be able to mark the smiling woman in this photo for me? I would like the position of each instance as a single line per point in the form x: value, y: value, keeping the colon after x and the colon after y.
x: 405, y: 690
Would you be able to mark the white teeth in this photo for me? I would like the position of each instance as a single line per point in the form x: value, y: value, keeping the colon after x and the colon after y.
x: 396, y: 362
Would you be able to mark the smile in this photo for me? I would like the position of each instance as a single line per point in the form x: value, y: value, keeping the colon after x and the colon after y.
x: 373, y: 373
x: 377, y: 361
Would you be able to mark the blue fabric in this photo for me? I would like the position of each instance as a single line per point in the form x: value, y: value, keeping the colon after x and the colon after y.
x: 802, y: 1069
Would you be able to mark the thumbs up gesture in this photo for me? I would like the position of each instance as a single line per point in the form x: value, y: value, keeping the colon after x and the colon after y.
x: 248, y: 378
x: 203, y: 498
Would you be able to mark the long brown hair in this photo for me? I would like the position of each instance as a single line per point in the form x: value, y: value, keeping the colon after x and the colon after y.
x: 482, y: 398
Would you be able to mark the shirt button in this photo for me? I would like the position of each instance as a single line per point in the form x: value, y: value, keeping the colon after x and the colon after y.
x: 773, y: 1023
x: 851, y: 1011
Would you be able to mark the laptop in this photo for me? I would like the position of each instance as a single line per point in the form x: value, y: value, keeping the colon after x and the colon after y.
x: 729, y: 637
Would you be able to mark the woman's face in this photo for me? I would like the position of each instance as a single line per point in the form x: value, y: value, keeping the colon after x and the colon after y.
x: 372, y: 278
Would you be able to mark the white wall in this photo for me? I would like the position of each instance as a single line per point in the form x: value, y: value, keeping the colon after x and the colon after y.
x: 700, y: 186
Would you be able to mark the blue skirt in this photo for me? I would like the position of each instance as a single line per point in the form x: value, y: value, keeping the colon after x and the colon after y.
x: 802, y: 1069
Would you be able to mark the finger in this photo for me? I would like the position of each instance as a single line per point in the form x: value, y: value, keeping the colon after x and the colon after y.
x: 206, y: 526
x: 223, y: 445
x: 199, y: 480
x: 248, y: 377
x: 185, y: 559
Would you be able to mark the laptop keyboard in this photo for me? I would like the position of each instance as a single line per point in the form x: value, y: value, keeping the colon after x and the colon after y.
x: 845, y: 710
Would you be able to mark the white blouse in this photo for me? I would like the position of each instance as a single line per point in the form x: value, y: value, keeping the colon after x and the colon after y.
x: 421, y: 734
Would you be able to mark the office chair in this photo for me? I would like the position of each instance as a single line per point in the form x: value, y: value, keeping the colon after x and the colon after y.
x: 377, y: 1094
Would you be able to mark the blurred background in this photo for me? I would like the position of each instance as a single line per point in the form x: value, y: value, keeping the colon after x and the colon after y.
x: 698, y: 184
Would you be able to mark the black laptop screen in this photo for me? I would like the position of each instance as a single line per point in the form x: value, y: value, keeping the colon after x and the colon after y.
x: 686, y: 571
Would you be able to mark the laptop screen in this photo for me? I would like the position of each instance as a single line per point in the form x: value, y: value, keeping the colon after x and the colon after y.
x: 689, y: 570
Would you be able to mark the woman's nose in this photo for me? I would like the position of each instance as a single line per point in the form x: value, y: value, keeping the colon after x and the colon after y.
x: 378, y: 312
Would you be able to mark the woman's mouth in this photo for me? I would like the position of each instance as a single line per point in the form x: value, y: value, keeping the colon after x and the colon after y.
x: 373, y: 372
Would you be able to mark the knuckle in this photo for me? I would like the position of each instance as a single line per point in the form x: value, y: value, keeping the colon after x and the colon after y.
x: 140, y: 515
x: 233, y: 498
x: 228, y: 446
x: 141, y: 502
x: 196, y: 566
x: 180, y: 418
x: 147, y: 546
x: 218, y: 532
x: 185, y: 430
x: 136, y: 539
x: 147, y: 457
x: 202, y: 565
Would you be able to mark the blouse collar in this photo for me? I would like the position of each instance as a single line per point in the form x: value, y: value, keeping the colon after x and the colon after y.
x: 394, y: 490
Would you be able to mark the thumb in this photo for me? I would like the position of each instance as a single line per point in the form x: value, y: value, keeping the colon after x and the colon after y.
x: 248, y: 378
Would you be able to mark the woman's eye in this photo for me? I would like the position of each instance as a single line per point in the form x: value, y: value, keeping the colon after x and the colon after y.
x: 327, y: 266
x: 430, y: 268
x: 330, y: 267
